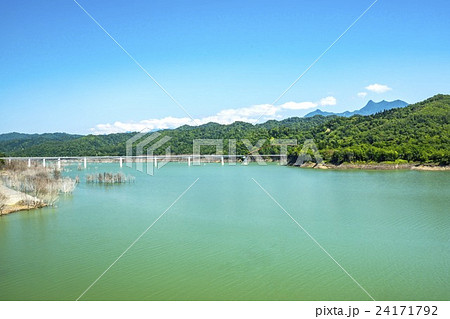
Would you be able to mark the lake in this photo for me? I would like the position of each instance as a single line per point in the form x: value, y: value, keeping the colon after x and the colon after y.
x: 226, y: 239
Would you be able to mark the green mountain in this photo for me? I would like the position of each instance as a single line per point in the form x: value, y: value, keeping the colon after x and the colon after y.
x: 71, y: 145
x: 12, y: 143
x: 418, y: 132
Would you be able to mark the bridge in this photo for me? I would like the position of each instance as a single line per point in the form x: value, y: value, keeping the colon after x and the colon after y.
x: 188, y: 158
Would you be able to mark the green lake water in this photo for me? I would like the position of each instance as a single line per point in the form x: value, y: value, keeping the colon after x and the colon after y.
x: 226, y: 239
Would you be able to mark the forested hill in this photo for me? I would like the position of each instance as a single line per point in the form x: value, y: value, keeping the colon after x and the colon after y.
x: 418, y: 132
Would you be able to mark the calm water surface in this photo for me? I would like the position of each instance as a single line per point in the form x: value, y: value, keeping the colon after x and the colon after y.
x: 225, y: 239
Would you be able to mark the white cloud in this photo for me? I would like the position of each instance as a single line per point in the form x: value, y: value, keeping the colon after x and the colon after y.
x: 256, y: 110
x: 249, y: 114
x: 378, y: 88
x: 362, y: 94
x: 246, y: 114
x: 152, y: 124
x: 329, y: 100
x: 298, y: 105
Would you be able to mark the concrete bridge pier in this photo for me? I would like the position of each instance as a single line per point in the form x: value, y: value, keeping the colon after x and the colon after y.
x: 85, y: 163
x: 43, y: 162
x: 222, y: 162
x: 189, y: 161
x: 29, y: 162
x: 59, y: 163
x: 121, y: 162
x: 156, y: 162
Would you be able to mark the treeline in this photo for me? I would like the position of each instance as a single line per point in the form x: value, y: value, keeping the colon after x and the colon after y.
x: 416, y: 133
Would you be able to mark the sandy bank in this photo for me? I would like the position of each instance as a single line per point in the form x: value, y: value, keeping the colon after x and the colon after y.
x: 15, y: 200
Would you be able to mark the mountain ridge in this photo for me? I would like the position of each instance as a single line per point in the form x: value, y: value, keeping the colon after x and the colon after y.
x: 370, y: 108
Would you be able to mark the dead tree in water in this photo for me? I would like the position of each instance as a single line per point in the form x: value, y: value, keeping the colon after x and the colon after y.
x: 3, y: 200
x: 109, y: 178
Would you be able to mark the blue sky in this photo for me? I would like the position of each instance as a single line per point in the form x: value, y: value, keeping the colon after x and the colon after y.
x: 222, y: 60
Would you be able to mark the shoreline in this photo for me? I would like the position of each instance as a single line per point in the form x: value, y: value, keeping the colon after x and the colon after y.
x: 377, y: 166
x: 19, y: 208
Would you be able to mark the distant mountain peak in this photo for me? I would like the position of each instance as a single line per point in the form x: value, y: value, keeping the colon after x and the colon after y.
x: 370, y: 108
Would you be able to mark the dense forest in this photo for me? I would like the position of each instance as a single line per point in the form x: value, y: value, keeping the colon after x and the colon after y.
x: 417, y: 133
